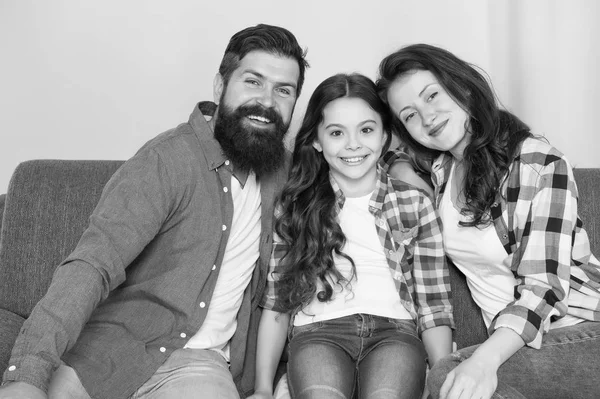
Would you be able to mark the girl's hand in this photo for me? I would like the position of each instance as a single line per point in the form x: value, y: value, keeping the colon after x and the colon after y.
x: 261, y: 395
x: 472, y: 379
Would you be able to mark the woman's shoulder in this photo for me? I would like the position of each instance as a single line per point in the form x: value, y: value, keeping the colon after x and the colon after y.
x: 537, y: 150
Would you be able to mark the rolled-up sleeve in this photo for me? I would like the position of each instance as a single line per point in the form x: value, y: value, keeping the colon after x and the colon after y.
x: 430, y: 271
x: 542, y: 261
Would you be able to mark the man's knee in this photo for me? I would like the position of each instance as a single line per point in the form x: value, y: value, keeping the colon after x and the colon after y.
x: 65, y: 384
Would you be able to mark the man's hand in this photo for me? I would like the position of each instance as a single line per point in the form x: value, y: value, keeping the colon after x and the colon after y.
x: 21, y: 390
x: 472, y: 379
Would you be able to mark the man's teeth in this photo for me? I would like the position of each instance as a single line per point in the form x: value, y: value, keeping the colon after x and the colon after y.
x: 353, y: 159
x: 259, y: 118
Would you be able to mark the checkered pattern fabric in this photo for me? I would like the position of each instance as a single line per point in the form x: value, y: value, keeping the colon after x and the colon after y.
x: 535, y: 217
x: 409, y: 230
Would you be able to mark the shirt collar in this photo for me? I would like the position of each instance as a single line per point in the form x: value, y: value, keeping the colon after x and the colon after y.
x: 203, y: 112
x: 379, y: 192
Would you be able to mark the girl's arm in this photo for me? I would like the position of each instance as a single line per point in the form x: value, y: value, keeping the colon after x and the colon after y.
x: 272, y: 334
x: 438, y: 343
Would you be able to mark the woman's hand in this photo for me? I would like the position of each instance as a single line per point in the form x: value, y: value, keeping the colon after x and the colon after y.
x: 474, y: 378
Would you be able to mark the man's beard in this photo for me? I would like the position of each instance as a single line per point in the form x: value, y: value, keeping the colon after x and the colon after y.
x: 261, y: 150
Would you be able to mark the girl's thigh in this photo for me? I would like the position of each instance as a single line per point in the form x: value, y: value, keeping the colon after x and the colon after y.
x: 319, y: 366
x: 394, y: 367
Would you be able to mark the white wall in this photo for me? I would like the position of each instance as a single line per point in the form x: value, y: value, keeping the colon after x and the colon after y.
x: 83, y: 79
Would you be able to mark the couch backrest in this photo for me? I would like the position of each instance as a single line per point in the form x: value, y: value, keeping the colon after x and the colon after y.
x: 588, y: 184
x: 47, y: 207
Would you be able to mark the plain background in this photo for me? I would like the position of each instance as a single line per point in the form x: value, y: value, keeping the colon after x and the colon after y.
x: 83, y: 79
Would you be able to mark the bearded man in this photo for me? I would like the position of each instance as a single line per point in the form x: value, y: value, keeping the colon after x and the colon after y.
x: 158, y: 299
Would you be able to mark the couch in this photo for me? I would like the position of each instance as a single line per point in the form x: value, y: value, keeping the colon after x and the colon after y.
x: 47, y: 205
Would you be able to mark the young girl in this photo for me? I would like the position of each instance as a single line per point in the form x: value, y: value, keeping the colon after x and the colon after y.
x: 358, y: 262
x: 508, y: 203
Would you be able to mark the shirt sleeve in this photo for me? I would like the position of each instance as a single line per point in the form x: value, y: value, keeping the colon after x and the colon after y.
x: 270, y: 297
x: 542, y: 261
x: 131, y: 211
x: 430, y: 271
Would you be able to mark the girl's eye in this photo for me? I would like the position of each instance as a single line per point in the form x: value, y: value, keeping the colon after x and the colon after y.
x: 336, y: 133
x: 409, y: 116
x: 252, y: 82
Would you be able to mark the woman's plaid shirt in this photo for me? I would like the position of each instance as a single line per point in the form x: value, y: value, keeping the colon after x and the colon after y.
x: 535, y: 217
x: 409, y: 230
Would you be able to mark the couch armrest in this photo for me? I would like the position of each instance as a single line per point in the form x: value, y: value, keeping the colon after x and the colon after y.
x: 10, y: 325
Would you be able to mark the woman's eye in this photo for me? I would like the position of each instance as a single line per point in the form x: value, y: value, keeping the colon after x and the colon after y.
x: 432, y: 96
x: 409, y: 116
x: 367, y: 130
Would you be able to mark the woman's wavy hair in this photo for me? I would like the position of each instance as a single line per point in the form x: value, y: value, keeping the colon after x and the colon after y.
x: 306, y: 217
x: 496, y: 135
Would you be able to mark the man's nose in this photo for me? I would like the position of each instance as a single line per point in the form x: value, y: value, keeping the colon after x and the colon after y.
x: 265, y: 98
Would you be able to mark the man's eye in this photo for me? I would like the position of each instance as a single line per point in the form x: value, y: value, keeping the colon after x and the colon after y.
x: 284, y: 91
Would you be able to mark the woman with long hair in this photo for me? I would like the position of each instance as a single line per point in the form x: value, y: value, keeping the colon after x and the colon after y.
x: 508, y: 204
x: 358, y: 271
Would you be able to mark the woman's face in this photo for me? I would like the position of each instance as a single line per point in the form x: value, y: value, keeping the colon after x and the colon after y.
x: 429, y: 113
x: 351, y: 138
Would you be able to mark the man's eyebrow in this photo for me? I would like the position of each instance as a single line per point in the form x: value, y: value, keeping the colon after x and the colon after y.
x: 420, y: 94
x: 261, y: 76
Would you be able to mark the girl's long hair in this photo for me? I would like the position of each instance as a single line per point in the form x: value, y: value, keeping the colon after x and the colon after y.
x: 306, y: 217
x: 496, y: 135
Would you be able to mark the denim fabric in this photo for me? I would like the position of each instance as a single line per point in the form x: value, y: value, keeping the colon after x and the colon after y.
x: 187, y: 373
x: 566, y: 366
x: 357, y: 356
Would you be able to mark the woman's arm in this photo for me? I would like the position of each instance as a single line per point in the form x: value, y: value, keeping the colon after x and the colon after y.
x: 476, y: 377
x: 272, y: 333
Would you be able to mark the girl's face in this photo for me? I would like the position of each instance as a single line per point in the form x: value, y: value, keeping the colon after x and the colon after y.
x: 351, y: 138
x: 429, y: 113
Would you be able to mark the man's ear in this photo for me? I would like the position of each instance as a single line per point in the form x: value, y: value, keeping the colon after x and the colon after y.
x: 317, y: 146
x: 218, y: 85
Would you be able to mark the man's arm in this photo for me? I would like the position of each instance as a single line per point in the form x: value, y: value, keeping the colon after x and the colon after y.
x: 131, y: 211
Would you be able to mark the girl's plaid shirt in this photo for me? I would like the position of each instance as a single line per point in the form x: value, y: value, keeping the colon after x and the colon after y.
x: 409, y: 230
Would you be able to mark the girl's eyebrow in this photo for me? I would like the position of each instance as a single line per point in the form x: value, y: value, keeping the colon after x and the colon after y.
x: 340, y: 125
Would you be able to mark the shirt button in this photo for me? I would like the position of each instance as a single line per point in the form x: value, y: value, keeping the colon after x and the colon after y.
x: 227, y: 162
x: 202, y: 305
x: 12, y: 368
x: 381, y: 223
x: 504, y: 236
x: 214, y: 267
x: 391, y: 251
x: 183, y: 335
x: 162, y: 349
x: 225, y: 189
x: 224, y: 227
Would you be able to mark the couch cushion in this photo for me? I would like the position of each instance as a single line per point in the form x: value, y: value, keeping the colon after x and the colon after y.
x: 48, y: 204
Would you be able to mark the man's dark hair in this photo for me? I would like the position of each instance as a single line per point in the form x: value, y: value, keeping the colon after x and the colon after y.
x: 267, y: 38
